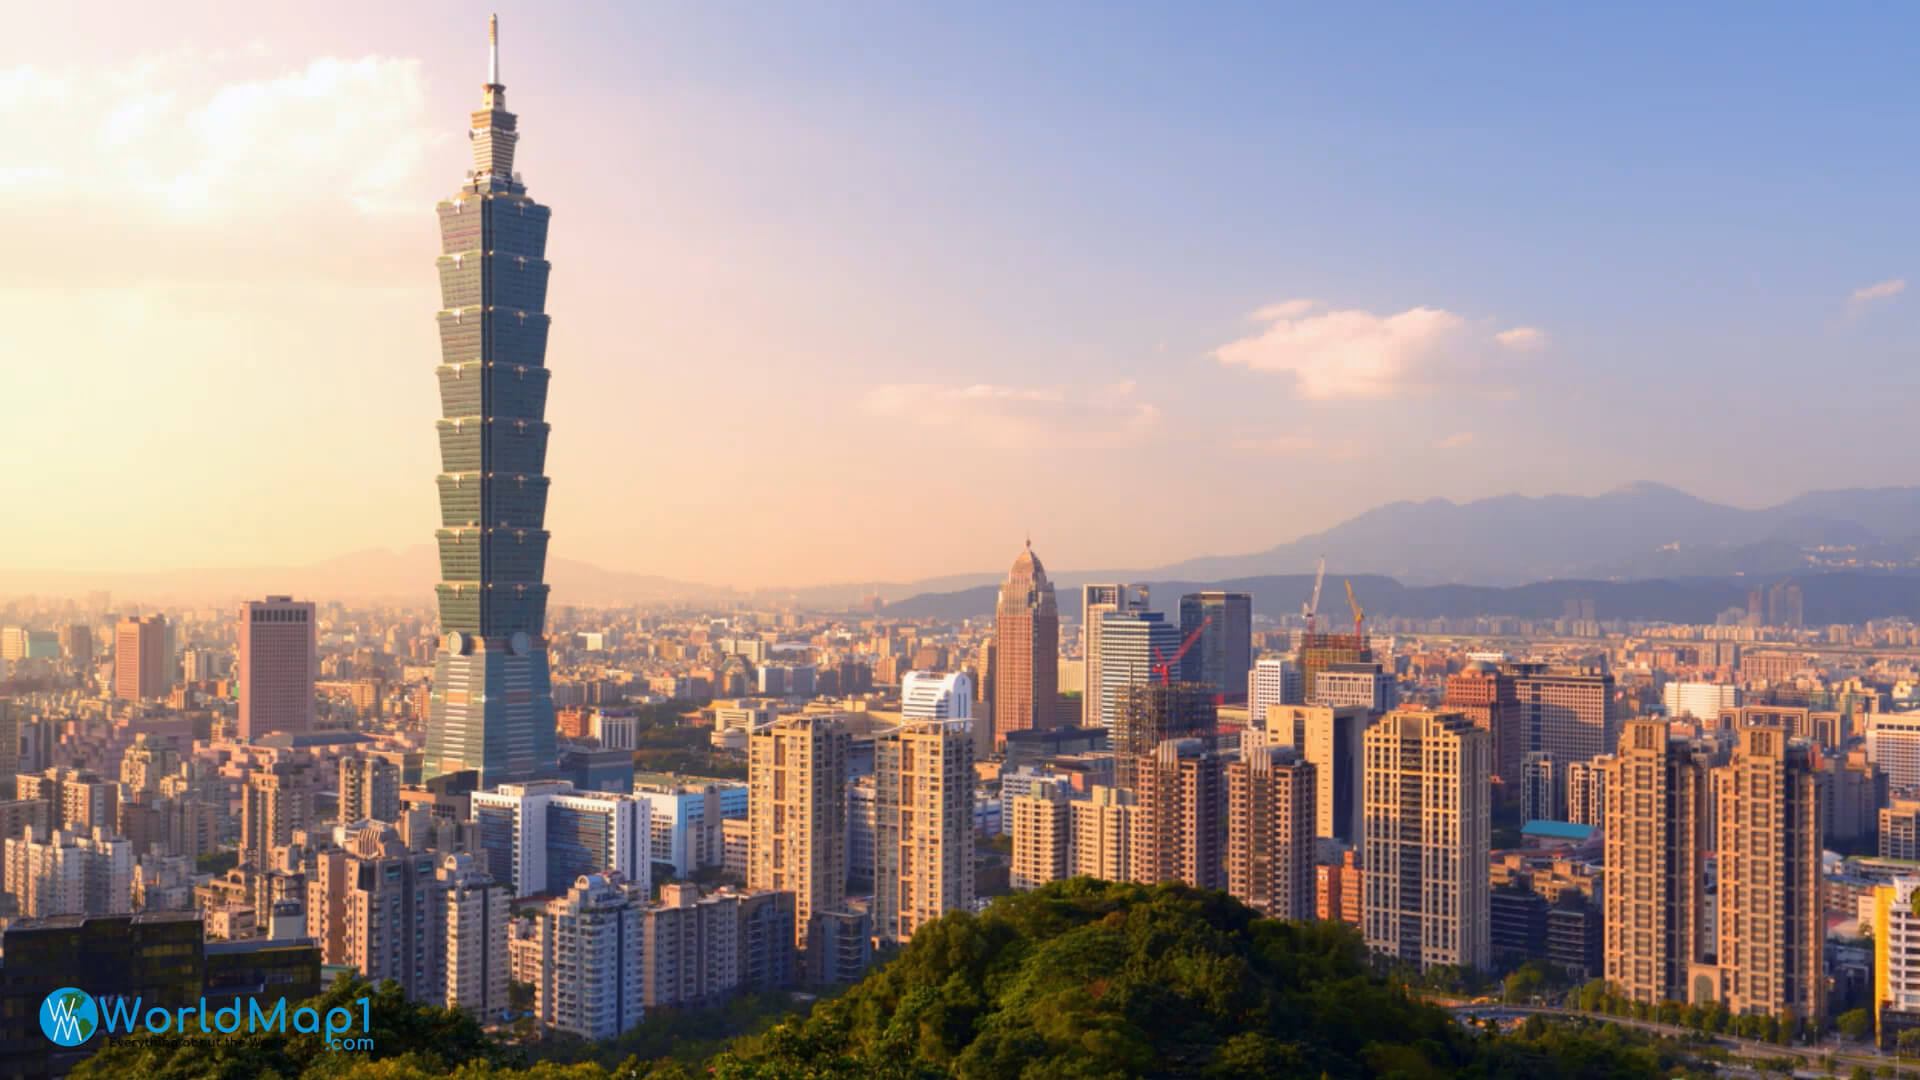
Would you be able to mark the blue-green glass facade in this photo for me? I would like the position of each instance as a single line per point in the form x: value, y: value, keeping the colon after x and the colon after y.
x: 492, y: 706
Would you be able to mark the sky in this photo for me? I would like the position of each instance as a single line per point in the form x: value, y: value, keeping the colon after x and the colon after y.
x: 866, y: 291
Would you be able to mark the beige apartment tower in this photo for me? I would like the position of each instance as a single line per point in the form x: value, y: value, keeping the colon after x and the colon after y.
x: 1026, y: 653
x: 369, y: 790
x: 1179, y: 829
x: 923, y: 838
x: 1100, y: 836
x: 1772, y: 921
x: 1428, y: 830
x: 1270, y: 830
x: 1656, y: 828
x: 1042, y: 828
x: 797, y: 809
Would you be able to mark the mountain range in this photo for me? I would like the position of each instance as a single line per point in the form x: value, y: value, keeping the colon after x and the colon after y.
x: 1638, y: 532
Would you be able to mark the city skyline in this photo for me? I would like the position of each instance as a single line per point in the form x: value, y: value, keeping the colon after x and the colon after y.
x: 1064, y: 301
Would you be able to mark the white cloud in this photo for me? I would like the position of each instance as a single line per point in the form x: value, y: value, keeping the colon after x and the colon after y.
x: 1879, y: 290
x: 208, y: 133
x: 1455, y: 441
x: 1522, y: 338
x: 1352, y: 353
x: 1019, y: 417
x: 1302, y: 442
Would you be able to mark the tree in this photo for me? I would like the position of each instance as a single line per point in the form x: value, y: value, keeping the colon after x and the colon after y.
x: 1908, y: 1043
x: 1855, y: 1024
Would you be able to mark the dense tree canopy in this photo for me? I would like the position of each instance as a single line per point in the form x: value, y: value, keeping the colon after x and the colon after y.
x: 1080, y: 980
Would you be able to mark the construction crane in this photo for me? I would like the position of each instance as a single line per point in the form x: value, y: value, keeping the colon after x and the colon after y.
x: 1311, y: 607
x: 1358, y: 611
x: 1164, y: 668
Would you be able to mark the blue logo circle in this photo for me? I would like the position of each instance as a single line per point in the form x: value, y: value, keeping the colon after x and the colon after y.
x: 69, y: 1016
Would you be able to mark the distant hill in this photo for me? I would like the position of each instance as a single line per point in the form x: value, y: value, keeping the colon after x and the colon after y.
x: 1826, y: 598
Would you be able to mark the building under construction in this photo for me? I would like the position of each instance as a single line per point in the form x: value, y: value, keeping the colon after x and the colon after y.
x: 1319, y: 651
x: 1147, y: 714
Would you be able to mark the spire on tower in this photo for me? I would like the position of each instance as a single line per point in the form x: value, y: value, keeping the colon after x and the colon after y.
x: 493, y: 50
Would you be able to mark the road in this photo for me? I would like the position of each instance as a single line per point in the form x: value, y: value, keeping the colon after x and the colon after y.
x: 1845, y: 1055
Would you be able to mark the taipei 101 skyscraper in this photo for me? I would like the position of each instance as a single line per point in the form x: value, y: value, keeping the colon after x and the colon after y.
x: 492, y: 694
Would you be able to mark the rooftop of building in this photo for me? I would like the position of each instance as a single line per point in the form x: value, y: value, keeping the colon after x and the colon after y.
x: 1560, y: 830
x: 299, y: 740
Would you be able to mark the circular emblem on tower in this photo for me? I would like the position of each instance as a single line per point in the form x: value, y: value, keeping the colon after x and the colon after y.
x: 520, y: 643
x: 456, y: 643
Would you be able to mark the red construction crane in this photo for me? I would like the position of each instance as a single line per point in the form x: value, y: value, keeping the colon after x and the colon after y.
x: 1164, y: 668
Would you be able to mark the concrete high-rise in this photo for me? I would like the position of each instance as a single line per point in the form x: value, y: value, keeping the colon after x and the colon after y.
x: 1100, y: 838
x: 1132, y: 644
x: 592, y: 958
x: 1772, y: 940
x: 1180, y: 829
x: 492, y: 704
x: 369, y: 790
x: 923, y: 835
x: 475, y: 912
x: 140, y: 659
x: 1273, y: 681
x: 1428, y: 831
x: 279, y: 659
x: 76, y: 641
x: 1587, y: 792
x: 275, y: 801
x: 1150, y: 712
x: 1096, y: 602
x: 1656, y: 829
x: 797, y: 814
x: 1270, y: 826
x: 1365, y: 685
x: 1026, y: 655
x: 377, y: 907
x: 1486, y: 696
x: 1223, y: 653
x: 1042, y: 828
x: 1333, y: 741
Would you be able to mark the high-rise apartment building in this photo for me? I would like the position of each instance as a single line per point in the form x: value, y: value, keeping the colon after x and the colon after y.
x: 1900, y: 830
x: 702, y: 949
x: 797, y: 809
x: 1270, y: 829
x: 923, y: 838
x: 1486, y: 696
x: 140, y: 659
x: 78, y: 800
x: 1132, y: 644
x: 1042, y: 828
x: 1148, y: 713
x: 1587, y: 791
x: 492, y: 705
x: 687, y: 821
x: 369, y: 790
x: 1896, y: 978
x: 1096, y: 602
x: 472, y: 931
x: 1333, y: 740
x: 1223, y: 653
x: 593, y: 959
x: 1428, y: 832
x: 279, y: 659
x: 542, y: 834
x: 1772, y: 923
x: 1656, y: 828
x: 69, y: 873
x: 1026, y: 658
x: 1180, y: 820
x: 377, y: 907
x: 1542, y: 788
x: 1100, y: 839
x: 275, y: 801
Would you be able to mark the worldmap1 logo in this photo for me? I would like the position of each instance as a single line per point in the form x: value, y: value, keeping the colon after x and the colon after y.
x: 69, y: 1016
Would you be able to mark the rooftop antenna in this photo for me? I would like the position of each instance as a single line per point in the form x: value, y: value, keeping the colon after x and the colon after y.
x: 493, y: 50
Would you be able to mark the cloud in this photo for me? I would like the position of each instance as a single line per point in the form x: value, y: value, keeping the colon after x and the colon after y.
x: 1455, y: 441
x: 1297, y: 443
x: 1019, y: 417
x: 1879, y: 290
x: 201, y: 134
x: 1522, y: 338
x: 1351, y: 353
